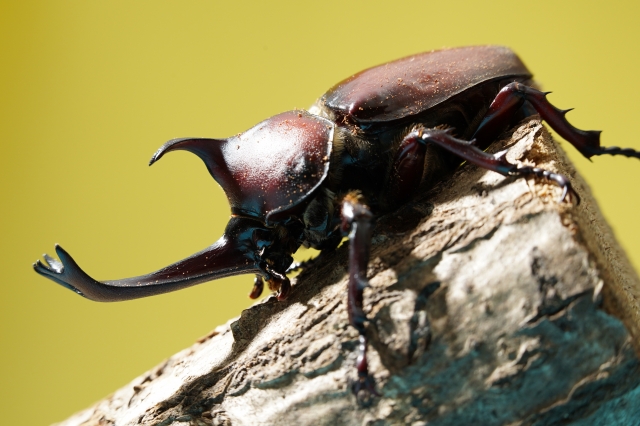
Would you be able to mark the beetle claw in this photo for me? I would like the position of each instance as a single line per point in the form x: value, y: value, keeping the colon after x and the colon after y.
x: 573, y: 195
x: 364, y: 388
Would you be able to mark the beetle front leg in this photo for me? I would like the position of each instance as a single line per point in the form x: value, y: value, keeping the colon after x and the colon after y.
x: 514, y: 95
x: 357, y: 222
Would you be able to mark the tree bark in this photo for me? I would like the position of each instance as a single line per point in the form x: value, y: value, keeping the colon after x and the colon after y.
x: 490, y: 303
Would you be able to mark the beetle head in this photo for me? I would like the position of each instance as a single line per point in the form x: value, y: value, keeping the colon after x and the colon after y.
x: 265, y: 172
x: 269, y: 169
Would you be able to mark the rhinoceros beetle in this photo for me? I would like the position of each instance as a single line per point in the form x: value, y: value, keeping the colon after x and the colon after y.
x: 365, y: 147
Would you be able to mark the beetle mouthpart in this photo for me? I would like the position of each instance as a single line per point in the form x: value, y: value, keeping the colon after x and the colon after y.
x: 278, y: 283
x: 258, y: 286
x: 273, y: 284
x: 285, y: 289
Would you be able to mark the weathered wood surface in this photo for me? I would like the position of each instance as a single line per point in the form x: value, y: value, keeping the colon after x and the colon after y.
x: 519, y: 331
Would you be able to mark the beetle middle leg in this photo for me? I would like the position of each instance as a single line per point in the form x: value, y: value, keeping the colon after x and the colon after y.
x: 357, y: 221
x: 494, y: 162
x: 514, y: 95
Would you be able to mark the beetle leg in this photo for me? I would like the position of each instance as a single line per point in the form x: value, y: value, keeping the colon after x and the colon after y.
x: 511, y: 98
x: 357, y: 221
x: 493, y: 162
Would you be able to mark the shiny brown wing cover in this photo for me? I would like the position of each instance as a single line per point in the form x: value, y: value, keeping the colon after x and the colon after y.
x: 413, y: 84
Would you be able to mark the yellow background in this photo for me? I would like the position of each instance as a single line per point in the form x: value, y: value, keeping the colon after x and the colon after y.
x: 90, y: 89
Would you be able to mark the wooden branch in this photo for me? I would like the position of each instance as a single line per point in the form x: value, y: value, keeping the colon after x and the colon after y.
x: 490, y: 303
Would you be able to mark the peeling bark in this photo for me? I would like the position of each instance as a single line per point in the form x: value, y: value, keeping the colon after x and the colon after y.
x: 490, y: 303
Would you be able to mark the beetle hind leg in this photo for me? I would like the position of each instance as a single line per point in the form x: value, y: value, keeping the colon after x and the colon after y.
x: 514, y: 95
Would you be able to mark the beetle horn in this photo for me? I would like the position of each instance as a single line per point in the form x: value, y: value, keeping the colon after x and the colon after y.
x: 230, y: 255
x: 205, y: 148
x: 210, y: 152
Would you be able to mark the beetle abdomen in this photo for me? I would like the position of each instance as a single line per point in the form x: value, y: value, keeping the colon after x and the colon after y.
x: 413, y: 84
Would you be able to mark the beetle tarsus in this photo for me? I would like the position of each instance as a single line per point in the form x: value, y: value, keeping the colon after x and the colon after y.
x: 364, y: 387
x: 560, y: 180
x: 614, y: 150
